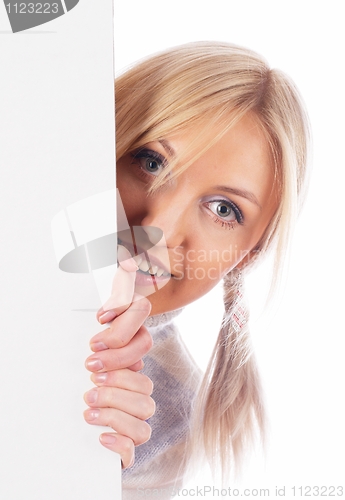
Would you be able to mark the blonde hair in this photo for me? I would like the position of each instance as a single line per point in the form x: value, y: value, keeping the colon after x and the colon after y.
x: 211, y: 85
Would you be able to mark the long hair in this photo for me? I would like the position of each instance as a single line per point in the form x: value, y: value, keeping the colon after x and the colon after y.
x: 208, y: 87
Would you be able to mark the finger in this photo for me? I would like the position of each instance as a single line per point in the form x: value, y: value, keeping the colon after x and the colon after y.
x: 122, y: 445
x: 115, y: 359
x: 122, y: 291
x: 124, y: 379
x: 123, y: 423
x: 122, y: 287
x: 124, y: 327
x: 107, y: 316
x: 123, y: 283
x: 133, y: 403
x: 125, y: 259
x: 139, y: 365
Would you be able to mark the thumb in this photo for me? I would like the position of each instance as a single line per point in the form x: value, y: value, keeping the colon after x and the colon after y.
x: 123, y: 284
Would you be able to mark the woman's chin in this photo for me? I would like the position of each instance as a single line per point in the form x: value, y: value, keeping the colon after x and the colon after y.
x: 160, y: 303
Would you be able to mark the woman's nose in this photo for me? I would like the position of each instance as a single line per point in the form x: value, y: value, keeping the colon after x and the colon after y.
x: 168, y: 213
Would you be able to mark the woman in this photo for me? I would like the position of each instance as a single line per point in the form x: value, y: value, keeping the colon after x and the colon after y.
x: 212, y: 148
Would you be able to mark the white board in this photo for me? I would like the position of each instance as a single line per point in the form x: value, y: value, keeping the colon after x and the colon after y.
x: 57, y: 148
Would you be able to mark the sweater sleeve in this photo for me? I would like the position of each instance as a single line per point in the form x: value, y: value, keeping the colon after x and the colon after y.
x: 159, y: 464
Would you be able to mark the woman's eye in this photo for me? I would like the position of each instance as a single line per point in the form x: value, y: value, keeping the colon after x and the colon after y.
x: 152, y: 166
x: 225, y: 212
x: 222, y: 210
x: 150, y: 162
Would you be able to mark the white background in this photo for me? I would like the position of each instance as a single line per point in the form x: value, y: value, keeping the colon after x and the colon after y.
x: 299, y: 342
x: 57, y: 148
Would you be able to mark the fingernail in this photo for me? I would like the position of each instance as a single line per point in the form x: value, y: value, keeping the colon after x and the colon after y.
x: 94, y: 365
x: 91, y: 414
x: 99, y: 378
x: 98, y: 346
x: 107, y: 439
x: 107, y: 316
x: 91, y: 396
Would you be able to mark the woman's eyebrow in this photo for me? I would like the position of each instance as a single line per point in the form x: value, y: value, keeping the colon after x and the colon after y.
x: 168, y: 147
x: 240, y: 192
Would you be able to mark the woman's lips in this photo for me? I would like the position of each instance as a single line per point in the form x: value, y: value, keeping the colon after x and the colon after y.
x: 148, y: 262
x: 143, y: 279
x: 151, y: 270
x: 151, y: 265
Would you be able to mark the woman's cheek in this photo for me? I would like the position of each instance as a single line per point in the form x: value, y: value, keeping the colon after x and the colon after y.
x: 178, y: 272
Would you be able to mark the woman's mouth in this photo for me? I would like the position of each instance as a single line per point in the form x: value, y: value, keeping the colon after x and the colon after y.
x: 151, y: 270
x: 147, y: 267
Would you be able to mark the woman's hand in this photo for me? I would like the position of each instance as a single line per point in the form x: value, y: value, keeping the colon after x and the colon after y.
x: 121, y: 399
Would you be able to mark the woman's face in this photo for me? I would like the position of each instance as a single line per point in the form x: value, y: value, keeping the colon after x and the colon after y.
x: 212, y: 215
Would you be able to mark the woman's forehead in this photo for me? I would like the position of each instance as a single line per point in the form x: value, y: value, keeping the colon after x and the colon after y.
x: 241, y: 141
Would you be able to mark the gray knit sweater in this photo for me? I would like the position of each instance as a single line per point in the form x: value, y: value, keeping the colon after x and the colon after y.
x: 158, y: 468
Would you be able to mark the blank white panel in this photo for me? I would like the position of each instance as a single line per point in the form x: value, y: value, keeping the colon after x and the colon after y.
x: 57, y: 148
